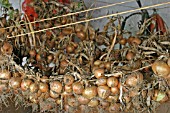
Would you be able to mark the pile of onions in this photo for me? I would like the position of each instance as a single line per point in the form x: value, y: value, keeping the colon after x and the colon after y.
x: 68, y: 70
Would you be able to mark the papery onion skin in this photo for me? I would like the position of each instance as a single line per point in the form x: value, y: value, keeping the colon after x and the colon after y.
x: 115, y: 90
x: 131, y: 81
x: 56, y: 86
x: 34, y: 87
x: 81, y: 35
x: 82, y: 100
x: 160, y: 68
x: 93, y: 103
x: 68, y: 79
x: 68, y: 88
x: 90, y: 92
x: 3, y: 87
x: 25, y: 84
x: 53, y: 94
x: 112, y: 81
x: 123, y: 41
x: 101, y: 81
x: 77, y: 88
x: 15, y: 82
x: 130, y: 55
x: 134, y: 78
x: 103, y: 91
x: 43, y: 87
x: 99, y: 72
x: 5, y: 74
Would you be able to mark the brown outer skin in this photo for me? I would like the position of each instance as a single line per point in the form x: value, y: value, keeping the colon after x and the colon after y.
x: 164, y: 70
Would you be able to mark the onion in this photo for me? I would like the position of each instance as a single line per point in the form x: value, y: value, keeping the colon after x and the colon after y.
x: 77, y: 88
x: 56, y: 86
x: 50, y: 58
x: 122, y: 41
x: 160, y: 68
x: 115, y: 90
x: 68, y: 79
x: 7, y: 48
x: 130, y: 39
x: 82, y: 100
x: 90, y: 92
x: 107, y: 65
x: 34, y: 87
x: 70, y: 48
x: 25, y: 84
x: 43, y: 87
x: 72, y: 101
x: 112, y: 81
x: 5, y: 74
x: 99, y: 72
x: 103, y: 91
x: 93, y: 103
x: 81, y: 35
x: 53, y: 94
x: 15, y: 82
x: 134, y: 79
x: 136, y: 40
x: 66, y: 107
x: 67, y: 31
x: 38, y: 57
x: 112, y: 99
x: 130, y: 55
x: 68, y: 89
x: 63, y: 64
x: 3, y: 88
x: 94, y: 68
x: 101, y: 81
x: 32, y: 53
x: 97, y: 62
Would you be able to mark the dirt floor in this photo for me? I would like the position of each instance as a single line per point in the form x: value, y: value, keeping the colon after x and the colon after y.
x: 164, y: 108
